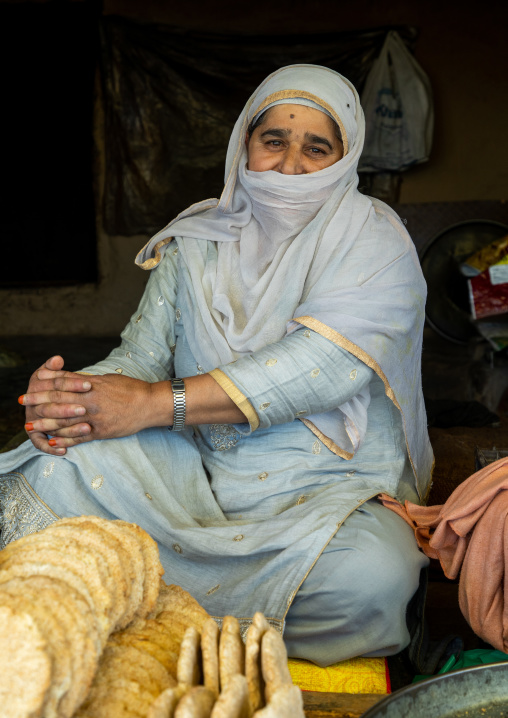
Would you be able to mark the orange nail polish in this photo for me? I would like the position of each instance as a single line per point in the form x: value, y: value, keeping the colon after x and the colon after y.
x: 52, y: 442
x: 20, y: 399
x: 29, y: 426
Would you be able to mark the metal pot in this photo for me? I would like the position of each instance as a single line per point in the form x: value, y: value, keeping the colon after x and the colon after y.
x: 447, y: 310
x: 479, y: 692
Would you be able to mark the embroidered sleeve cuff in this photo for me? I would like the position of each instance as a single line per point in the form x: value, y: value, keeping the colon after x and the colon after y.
x: 236, y: 395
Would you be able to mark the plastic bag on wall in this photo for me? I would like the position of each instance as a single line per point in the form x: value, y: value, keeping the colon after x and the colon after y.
x: 399, y: 115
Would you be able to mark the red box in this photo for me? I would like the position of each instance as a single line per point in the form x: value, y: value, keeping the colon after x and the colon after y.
x: 487, y: 299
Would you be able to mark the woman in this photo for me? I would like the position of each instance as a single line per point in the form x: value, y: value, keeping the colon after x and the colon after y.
x: 294, y: 308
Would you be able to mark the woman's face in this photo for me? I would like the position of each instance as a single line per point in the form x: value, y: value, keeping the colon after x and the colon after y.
x: 293, y: 140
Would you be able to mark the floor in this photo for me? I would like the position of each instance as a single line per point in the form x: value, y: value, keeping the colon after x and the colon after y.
x: 445, y: 375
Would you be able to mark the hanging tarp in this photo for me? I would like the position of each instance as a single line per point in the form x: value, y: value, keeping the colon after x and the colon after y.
x: 171, y: 98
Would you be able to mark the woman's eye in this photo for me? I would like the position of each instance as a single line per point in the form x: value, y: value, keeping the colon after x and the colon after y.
x: 316, y: 151
x: 275, y: 143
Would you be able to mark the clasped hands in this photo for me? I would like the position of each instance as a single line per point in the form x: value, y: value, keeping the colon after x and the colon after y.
x: 73, y: 408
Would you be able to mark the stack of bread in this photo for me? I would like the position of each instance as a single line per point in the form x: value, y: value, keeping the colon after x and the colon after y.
x: 238, y: 681
x: 89, y: 629
x: 141, y: 661
x: 63, y: 591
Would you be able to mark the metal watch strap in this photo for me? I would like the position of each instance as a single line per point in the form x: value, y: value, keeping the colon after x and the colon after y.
x: 178, y: 387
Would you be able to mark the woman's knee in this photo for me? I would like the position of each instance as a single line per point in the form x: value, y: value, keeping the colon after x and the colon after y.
x: 389, y: 578
x: 369, y: 566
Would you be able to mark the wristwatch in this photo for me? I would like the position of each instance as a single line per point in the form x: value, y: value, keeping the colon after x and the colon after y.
x: 178, y: 387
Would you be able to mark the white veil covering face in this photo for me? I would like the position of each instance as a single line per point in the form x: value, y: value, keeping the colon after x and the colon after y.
x: 277, y: 252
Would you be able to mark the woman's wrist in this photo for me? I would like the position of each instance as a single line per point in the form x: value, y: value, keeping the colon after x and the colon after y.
x: 161, y: 404
x: 206, y: 403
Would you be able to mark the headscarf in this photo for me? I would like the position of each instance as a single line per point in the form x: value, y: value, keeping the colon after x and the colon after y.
x: 277, y: 252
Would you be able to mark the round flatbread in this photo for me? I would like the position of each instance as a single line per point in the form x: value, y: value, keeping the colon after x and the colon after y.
x: 287, y: 702
x: 233, y: 701
x: 131, y: 556
x: 210, y: 654
x: 253, y: 672
x: 100, y: 543
x: 196, y: 703
x: 274, y: 663
x: 35, y: 597
x: 188, y: 670
x: 153, y: 569
x: 142, y: 643
x: 164, y: 705
x: 231, y: 651
x: 47, y: 559
x: 123, y: 698
x: 135, y: 665
x: 25, y: 665
x: 176, y: 601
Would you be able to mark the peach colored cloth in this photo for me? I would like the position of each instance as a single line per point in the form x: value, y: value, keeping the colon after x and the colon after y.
x: 470, y: 531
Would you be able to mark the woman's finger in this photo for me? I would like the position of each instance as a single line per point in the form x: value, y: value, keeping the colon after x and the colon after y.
x: 43, y: 374
x: 60, y: 427
x: 63, y: 442
x: 56, y: 445
x: 65, y: 382
x: 54, y: 363
x: 53, y: 369
x: 73, y: 432
x: 48, y: 405
x: 51, y: 366
x: 41, y: 442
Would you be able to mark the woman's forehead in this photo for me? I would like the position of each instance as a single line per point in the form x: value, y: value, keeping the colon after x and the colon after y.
x: 293, y: 114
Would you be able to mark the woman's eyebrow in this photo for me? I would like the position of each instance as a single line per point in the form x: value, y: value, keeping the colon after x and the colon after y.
x: 284, y: 134
x: 317, y: 140
x: 309, y: 136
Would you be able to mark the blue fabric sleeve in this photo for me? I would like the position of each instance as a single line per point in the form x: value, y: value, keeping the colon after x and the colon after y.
x: 300, y: 375
x: 147, y: 347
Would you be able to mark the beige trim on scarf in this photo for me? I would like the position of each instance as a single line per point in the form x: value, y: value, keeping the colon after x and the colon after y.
x: 355, y: 350
x: 327, y: 441
x: 152, y: 262
x: 341, y: 341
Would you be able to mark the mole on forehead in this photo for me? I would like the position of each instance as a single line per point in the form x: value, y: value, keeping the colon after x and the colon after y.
x: 292, y: 117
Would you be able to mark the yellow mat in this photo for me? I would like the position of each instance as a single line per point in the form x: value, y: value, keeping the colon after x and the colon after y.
x: 358, y: 675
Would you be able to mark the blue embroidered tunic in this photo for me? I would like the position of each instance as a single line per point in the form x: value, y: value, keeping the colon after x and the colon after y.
x: 241, y: 516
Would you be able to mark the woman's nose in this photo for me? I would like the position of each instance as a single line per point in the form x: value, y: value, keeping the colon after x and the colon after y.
x: 292, y: 162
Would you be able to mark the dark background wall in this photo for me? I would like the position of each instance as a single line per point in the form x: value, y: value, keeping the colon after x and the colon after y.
x: 462, y: 46
x: 463, y: 50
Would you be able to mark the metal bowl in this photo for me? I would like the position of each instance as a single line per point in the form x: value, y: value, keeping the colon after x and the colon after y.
x: 479, y: 692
